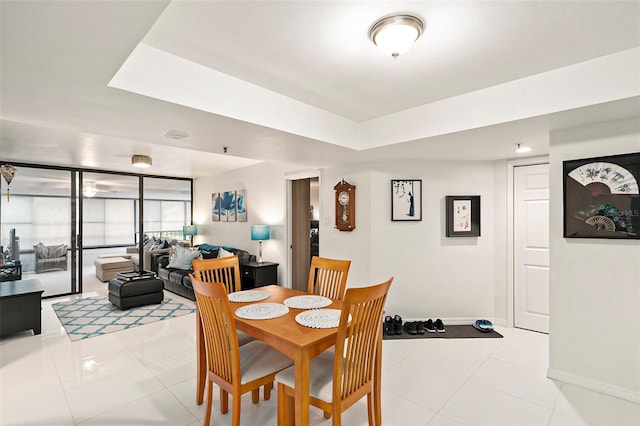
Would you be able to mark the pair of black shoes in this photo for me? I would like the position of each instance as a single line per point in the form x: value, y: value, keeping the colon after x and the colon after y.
x: 393, y: 326
x: 419, y: 327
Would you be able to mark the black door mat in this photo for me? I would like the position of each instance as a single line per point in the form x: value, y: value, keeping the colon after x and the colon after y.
x: 451, y: 332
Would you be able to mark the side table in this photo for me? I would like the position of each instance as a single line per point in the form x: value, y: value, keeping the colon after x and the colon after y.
x: 11, y: 271
x: 20, y: 306
x: 254, y: 274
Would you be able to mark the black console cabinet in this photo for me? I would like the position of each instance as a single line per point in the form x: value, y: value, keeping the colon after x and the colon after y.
x: 255, y: 274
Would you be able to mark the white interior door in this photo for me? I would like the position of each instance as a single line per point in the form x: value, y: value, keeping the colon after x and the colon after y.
x: 531, y: 251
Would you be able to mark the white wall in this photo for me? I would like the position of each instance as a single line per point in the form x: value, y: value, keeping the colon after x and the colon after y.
x: 456, y: 279
x: 594, y: 336
x: 266, y: 205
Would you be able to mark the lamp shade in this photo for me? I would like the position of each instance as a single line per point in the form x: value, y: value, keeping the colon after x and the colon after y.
x: 189, y: 230
x: 260, y: 232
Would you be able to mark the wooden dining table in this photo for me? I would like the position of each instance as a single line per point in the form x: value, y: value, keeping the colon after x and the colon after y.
x: 296, y: 341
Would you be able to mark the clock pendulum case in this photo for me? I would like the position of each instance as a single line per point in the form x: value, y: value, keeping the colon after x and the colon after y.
x: 345, y: 200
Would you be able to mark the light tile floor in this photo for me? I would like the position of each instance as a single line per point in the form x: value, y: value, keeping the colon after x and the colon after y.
x: 146, y: 376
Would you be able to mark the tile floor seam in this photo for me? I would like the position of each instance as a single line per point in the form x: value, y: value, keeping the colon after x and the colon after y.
x: 119, y: 406
x: 512, y: 395
x: 64, y: 393
x: 458, y: 390
x: 204, y: 401
x: 536, y: 370
x: 555, y: 403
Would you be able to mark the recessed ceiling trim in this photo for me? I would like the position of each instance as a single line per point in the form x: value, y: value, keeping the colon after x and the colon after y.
x: 605, y: 79
x: 152, y: 72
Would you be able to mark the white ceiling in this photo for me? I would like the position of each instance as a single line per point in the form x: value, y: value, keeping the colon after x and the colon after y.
x: 294, y: 82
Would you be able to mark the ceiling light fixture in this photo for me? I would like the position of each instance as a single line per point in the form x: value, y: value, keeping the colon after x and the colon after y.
x: 141, y: 161
x: 395, y: 35
x: 522, y: 149
x: 90, y: 191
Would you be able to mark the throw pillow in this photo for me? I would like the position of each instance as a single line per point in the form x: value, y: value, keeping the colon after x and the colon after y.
x: 41, y: 250
x: 223, y: 253
x: 57, y: 251
x: 182, y: 258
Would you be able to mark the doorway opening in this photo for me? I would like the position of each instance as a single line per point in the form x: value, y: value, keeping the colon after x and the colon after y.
x: 304, y: 239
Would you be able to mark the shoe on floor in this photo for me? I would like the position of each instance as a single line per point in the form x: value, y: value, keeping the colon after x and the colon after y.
x: 428, y: 325
x: 420, y: 327
x: 397, y: 325
x: 389, y: 328
x: 439, y: 325
x: 483, y: 325
x: 410, y: 327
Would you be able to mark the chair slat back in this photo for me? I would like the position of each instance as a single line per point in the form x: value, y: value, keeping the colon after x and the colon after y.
x: 357, y: 340
x: 224, y: 270
x: 328, y: 277
x: 220, y: 335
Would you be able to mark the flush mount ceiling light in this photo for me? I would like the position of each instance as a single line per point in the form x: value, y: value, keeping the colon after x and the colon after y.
x: 522, y: 149
x: 395, y: 35
x: 141, y: 161
x: 90, y: 191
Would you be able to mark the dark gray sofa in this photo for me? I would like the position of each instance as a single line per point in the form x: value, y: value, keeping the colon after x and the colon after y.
x: 177, y: 280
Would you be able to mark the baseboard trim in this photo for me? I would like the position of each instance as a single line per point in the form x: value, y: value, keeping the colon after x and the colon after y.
x: 594, y: 385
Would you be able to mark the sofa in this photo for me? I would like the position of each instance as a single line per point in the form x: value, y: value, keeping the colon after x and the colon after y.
x: 151, y: 246
x: 177, y: 280
x: 50, y: 258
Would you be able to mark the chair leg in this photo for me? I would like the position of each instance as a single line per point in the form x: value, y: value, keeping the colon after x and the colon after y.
x: 235, y: 414
x: 371, y: 410
x: 207, y: 416
x: 285, y: 407
x: 224, y: 401
x: 255, y: 395
x: 267, y: 391
x: 337, y: 418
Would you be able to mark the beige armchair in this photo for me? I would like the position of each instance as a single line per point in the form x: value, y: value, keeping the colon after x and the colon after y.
x: 132, y: 253
x: 50, y: 258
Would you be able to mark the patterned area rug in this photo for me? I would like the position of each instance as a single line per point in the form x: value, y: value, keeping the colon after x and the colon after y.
x: 84, y: 318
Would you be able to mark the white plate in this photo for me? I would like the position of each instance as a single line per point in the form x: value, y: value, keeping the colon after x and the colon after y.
x: 319, y: 318
x: 307, y: 302
x: 262, y: 311
x: 248, y: 296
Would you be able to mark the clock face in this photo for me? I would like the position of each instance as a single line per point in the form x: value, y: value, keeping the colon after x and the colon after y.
x: 343, y: 198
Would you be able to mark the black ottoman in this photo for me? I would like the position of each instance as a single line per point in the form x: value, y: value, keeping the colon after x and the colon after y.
x: 129, y: 294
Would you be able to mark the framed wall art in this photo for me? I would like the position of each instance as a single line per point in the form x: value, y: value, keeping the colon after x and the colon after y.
x: 463, y: 215
x: 406, y: 199
x: 241, y: 205
x: 229, y: 206
x: 602, y: 197
x: 216, y: 202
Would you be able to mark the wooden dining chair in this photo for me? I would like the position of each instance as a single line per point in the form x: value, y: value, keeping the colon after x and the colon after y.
x: 337, y: 382
x: 235, y: 369
x: 224, y: 270
x: 328, y: 277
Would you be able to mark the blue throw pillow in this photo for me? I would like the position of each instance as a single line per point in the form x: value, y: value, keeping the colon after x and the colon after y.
x: 183, y: 257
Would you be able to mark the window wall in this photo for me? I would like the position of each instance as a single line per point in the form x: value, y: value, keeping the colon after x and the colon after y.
x: 93, y: 213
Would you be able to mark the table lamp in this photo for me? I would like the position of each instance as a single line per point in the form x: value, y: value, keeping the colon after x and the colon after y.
x: 190, y: 231
x: 260, y: 233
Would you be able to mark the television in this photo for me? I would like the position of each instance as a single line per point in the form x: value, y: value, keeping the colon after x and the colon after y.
x: 14, y: 245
